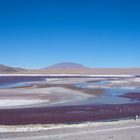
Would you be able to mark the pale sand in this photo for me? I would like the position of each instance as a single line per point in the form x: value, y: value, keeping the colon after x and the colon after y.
x: 41, y: 127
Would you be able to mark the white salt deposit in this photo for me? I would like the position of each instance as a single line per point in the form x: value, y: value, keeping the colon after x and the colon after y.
x: 136, y: 79
x: 120, y: 81
x: 66, y: 75
x: 18, y: 102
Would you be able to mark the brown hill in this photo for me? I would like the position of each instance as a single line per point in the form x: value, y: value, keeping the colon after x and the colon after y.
x: 66, y: 66
x: 7, y: 69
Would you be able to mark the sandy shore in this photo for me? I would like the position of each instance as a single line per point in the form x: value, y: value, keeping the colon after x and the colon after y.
x: 118, y: 130
x: 42, y: 127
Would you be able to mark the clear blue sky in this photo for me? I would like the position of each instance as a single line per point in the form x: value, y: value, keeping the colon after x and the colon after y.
x: 96, y: 33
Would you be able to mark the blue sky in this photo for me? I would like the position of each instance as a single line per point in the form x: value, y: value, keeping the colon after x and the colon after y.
x: 96, y: 33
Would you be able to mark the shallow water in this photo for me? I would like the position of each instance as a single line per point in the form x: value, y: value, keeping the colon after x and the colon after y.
x: 18, y: 81
x: 110, y: 95
x: 14, y: 85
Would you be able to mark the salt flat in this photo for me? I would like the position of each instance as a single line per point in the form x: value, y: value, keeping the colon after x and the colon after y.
x: 20, y: 102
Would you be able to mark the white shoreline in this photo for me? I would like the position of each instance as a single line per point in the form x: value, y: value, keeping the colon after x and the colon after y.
x: 9, y: 103
x: 115, y: 75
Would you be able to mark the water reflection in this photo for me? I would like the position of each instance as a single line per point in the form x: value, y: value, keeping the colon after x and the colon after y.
x: 111, y: 95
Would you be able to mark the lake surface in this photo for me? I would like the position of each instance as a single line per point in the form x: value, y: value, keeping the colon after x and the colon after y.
x: 47, y: 99
x: 110, y: 95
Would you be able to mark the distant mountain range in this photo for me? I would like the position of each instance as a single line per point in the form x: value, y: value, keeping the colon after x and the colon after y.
x: 60, y: 66
x: 8, y: 69
x: 68, y: 68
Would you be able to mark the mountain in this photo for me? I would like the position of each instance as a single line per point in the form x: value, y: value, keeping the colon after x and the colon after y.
x: 69, y: 68
x: 66, y: 66
x: 8, y: 69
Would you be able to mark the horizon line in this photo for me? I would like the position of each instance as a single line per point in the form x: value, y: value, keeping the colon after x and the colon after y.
x: 90, y: 67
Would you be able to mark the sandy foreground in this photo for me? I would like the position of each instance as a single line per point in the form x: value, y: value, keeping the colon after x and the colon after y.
x: 117, y: 130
